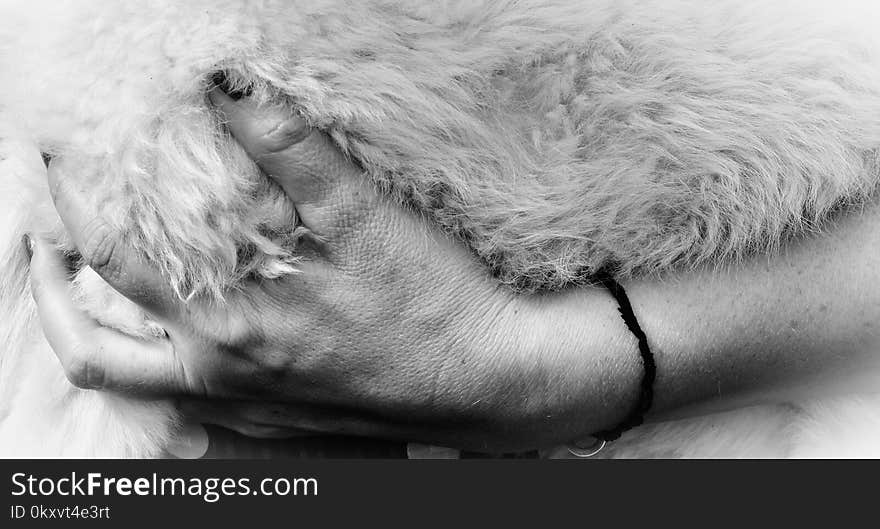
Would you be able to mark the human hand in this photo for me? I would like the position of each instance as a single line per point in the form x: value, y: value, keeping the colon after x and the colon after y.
x: 390, y: 329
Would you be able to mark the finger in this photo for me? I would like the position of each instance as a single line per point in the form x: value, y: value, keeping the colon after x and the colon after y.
x: 102, y: 249
x: 237, y: 416
x: 262, y: 419
x: 96, y: 357
x: 323, y: 184
x: 63, y: 323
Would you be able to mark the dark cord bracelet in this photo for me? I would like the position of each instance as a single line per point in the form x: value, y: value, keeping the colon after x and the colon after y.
x: 646, y: 394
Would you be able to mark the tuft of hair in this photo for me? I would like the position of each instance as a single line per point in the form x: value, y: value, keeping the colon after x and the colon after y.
x: 556, y: 138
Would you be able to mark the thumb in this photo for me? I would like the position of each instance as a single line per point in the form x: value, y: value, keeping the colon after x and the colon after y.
x: 324, y: 185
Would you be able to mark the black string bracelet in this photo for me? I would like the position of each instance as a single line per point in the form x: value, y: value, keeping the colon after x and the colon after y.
x: 646, y: 394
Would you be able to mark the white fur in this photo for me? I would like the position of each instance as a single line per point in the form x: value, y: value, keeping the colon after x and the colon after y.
x: 555, y: 138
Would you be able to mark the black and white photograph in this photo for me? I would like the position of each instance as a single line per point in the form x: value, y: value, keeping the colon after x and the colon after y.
x: 439, y: 229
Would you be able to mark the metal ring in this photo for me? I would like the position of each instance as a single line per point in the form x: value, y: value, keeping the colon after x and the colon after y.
x: 589, y: 451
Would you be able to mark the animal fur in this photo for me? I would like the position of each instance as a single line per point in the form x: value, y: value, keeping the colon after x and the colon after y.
x: 556, y: 138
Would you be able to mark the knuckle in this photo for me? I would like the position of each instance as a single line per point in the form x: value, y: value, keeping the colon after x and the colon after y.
x: 194, y: 380
x: 100, y: 248
x: 251, y: 321
x: 275, y: 366
x: 240, y: 334
x: 83, y: 368
x: 285, y: 134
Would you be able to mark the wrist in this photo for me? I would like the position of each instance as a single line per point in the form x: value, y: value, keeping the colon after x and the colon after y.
x: 583, y: 338
x: 564, y: 367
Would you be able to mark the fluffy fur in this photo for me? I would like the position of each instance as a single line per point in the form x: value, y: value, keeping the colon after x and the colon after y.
x: 555, y: 138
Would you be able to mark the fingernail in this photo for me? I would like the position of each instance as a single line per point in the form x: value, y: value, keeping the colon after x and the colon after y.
x: 28, y: 245
x: 221, y: 81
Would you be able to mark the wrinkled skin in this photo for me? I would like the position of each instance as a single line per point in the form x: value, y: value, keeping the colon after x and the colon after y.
x: 393, y: 330
x: 389, y: 329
